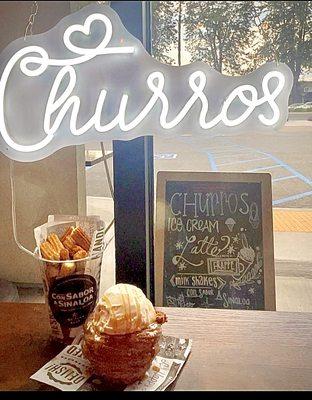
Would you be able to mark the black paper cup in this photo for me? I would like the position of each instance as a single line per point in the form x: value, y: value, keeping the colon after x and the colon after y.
x: 71, y: 291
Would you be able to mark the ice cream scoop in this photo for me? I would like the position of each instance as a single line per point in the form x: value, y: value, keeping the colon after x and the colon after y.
x: 123, y: 309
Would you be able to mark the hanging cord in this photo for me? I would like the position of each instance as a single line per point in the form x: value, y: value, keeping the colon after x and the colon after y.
x: 267, y: 38
x: 31, y: 19
x: 109, y: 181
x: 13, y: 210
x: 107, y: 171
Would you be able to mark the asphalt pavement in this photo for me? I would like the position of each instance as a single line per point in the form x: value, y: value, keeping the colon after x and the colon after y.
x: 285, y: 154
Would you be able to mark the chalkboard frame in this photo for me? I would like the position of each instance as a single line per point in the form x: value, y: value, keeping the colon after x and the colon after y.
x: 267, y: 223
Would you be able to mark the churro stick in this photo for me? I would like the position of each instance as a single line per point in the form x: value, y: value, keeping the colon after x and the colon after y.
x: 68, y: 232
x: 48, y: 252
x: 64, y: 254
x: 81, y: 238
x: 69, y: 243
x: 80, y: 265
x: 55, y: 242
x: 75, y: 249
x: 80, y: 254
x: 71, y: 246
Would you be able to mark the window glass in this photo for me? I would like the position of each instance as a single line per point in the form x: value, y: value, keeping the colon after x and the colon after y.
x: 234, y: 38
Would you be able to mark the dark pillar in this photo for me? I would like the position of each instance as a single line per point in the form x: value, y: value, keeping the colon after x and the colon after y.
x: 134, y: 181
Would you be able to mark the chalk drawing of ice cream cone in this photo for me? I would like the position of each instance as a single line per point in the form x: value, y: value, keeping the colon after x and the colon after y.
x: 230, y: 222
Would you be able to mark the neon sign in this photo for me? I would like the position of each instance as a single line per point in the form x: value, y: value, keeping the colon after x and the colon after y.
x: 88, y: 79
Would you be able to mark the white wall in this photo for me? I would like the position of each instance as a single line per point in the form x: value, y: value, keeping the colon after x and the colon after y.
x: 53, y: 185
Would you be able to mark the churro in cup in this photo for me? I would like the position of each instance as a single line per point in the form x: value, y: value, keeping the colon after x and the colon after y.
x: 70, y: 265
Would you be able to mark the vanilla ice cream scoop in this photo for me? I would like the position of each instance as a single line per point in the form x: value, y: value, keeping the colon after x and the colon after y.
x: 122, y: 309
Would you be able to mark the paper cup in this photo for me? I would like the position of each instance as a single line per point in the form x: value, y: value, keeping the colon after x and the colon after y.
x: 71, y: 291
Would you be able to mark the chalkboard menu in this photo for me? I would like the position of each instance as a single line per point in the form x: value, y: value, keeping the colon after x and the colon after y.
x: 214, y: 241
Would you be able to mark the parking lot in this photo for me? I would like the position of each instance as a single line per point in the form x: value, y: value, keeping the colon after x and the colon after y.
x: 285, y: 154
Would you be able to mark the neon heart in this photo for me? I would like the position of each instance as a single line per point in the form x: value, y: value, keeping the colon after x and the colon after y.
x: 85, y: 29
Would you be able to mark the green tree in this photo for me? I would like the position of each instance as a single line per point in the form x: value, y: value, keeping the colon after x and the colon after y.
x: 218, y: 32
x: 179, y: 28
x: 164, y: 29
x: 287, y: 31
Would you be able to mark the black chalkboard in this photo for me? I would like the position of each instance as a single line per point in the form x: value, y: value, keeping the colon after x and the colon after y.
x: 214, y: 233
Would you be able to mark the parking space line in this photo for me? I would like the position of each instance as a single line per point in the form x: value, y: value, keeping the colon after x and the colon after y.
x: 264, y: 168
x: 243, y: 161
x: 283, y: 178
x: 223, y: 147
x: 290, y: 169
x: 227, y: 150
x: 220, y: 153
x: 212, y: 161
x: 293, y: 197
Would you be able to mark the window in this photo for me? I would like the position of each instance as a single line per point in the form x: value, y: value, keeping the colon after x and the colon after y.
x: 235, y: 37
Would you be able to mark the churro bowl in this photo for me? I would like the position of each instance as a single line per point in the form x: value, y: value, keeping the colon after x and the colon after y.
x: 121, y: 336
x: 122, y: 359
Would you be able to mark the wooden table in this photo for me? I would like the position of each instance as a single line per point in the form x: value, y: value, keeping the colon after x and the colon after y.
x: 232, y: 350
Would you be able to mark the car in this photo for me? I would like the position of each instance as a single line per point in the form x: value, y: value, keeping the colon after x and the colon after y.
x: 300, y: 107
x: 294, y: 105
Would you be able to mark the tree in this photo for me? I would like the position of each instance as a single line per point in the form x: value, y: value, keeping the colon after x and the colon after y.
x: 179, y: 32
x: 164, y: 29
x: 287, y: 31
x: 218, y: 32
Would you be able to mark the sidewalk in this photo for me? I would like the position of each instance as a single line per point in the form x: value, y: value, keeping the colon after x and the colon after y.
x: 293, y: 246
x: 293, y: 234
x: 293, y: 259
x: 299, y: 122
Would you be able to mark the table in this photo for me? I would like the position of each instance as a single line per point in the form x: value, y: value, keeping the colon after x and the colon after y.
x: 232, y: 349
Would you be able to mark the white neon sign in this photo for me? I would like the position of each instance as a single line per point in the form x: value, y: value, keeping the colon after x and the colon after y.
x: 109, y: 87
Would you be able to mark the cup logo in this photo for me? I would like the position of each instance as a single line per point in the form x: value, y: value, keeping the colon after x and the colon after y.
x: 72, y: 299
